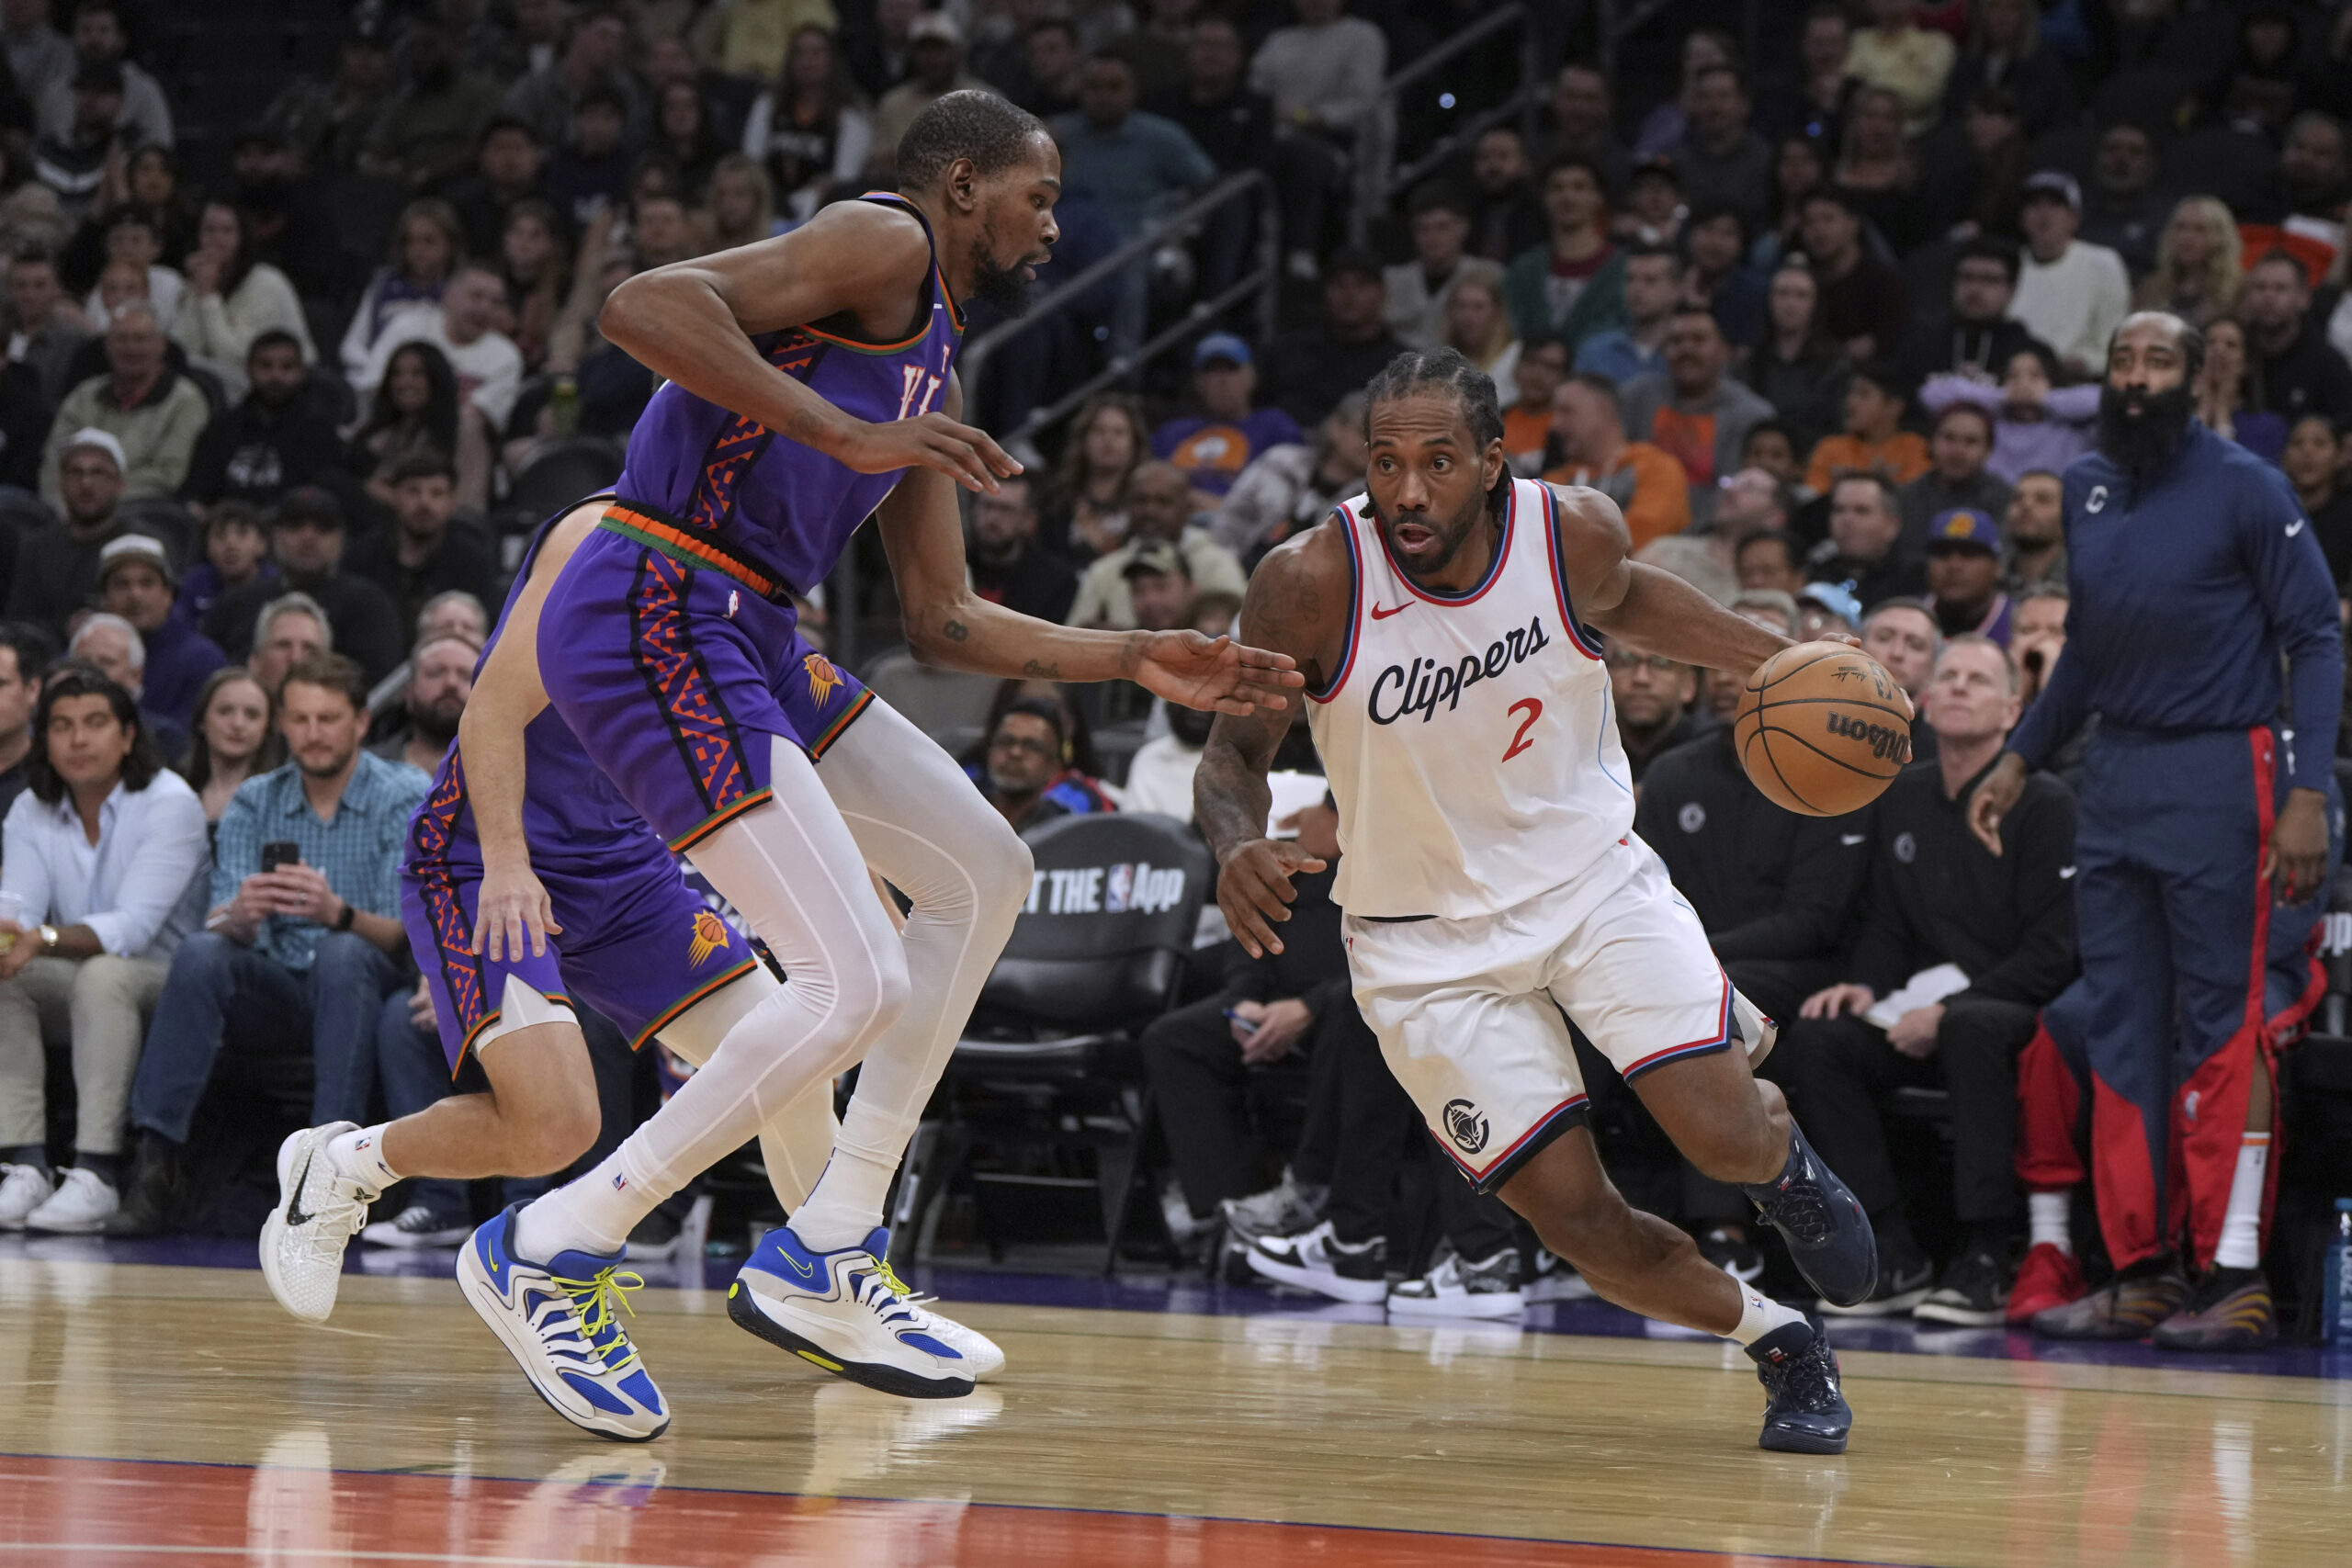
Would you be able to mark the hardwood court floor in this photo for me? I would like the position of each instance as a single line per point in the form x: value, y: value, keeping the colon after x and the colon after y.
x: 157, y: 1415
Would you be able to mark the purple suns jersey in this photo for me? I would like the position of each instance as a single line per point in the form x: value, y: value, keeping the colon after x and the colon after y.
x: 784, y: 506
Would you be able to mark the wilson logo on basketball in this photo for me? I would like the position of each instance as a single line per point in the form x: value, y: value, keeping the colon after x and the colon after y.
x: 1425, y: 685
x: 1465, y: 1126
x: 1886, y: 743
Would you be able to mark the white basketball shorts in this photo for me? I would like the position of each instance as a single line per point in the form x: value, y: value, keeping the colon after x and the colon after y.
x: 1472, y: 1014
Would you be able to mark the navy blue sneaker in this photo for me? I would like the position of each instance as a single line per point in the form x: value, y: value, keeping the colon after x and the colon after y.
x: 1828, y: 1235
x: 1803, y: 1410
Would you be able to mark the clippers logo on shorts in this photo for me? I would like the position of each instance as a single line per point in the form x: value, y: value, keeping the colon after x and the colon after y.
x: 1425, y: 685
x: 1135, y: 887
x: 1906, y: 848
x: 1886, y: 742
x: 1465, y: 1126
x: 1692, y: 817
x: 711, y: 935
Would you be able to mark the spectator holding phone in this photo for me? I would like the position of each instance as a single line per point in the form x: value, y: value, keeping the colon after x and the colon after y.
x: 304, y: 940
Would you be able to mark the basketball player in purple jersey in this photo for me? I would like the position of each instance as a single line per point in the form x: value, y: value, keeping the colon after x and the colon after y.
x: 811, y: 383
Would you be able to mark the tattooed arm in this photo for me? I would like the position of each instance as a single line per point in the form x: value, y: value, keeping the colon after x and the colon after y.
x: 949, y: 626
x: 1297, y: 606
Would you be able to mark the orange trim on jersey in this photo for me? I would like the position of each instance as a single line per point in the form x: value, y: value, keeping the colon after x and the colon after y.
x: 670, y: 1014
x: 715, y: 821
x: 1494, y: 567
x: 1355, y: 606
x: 1560, y: 577
x: 674, y: 542
x: 946, y: 295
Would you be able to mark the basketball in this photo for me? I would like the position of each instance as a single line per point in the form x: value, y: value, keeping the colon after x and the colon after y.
x: 1821, y: 728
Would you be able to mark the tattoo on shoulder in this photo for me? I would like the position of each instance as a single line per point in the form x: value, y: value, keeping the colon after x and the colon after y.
x: 956, y: 631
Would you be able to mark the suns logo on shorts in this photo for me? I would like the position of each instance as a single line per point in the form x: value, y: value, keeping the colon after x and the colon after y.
x: 823, y: 679
x: 1465, y: 1126
x: 711, y: 935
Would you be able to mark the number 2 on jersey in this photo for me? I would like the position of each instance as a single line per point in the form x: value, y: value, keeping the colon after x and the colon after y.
x: 1520, y: 742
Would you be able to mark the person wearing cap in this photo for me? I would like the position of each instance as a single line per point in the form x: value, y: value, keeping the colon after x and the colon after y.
x: 421, y: 556
x: 1158, y: 502
x: 2071, y: 294
x: 56, y: 568
x: 100, y: 40
x: 594, y: 55
x: 138, y: 581
x: 935, y: 69
x: 1227, y: 435
x: 1964, y: 575
x: 70, y: 159
x: 153, y: 415
x: 1958, y: 448
x: 429, y: 129
x: 1309, y: 369
x: 276, y: 436
x: 308, y: 539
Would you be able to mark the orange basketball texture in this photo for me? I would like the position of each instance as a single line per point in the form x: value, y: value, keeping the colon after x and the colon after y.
x: 1821, y: 727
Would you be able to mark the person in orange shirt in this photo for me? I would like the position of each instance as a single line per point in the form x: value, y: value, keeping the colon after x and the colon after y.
x: 1875, y: 441
x: 1645, y: 481
x: 1527, y: 423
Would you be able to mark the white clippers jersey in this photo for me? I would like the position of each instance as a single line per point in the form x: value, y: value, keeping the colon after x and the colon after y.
x: 1470, y: 740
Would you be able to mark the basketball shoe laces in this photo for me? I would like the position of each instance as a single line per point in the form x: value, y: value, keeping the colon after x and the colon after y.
x: 1799, y: 1207
x: 584, y: 1312
x: 882, y: 1293
x: 334, y: 1222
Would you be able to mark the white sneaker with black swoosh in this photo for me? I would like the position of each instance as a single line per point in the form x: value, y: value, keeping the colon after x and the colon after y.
x: 845, y: 1310
x: 319, y: 1210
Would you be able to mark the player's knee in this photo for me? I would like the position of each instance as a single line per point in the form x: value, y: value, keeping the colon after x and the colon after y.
x: 867, y: 998
x: 564, y: 1130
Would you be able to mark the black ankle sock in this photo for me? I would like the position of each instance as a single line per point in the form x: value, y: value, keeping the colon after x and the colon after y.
x: 106, y: 1167
x: 33, y: 1155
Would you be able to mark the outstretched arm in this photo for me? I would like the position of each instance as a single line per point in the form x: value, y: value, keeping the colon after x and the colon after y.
x: 1297, y: 606
x: 949, y: 626
x: 1642, y: 607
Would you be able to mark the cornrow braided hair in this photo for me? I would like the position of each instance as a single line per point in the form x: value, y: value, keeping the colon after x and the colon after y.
x: 1444, y: 372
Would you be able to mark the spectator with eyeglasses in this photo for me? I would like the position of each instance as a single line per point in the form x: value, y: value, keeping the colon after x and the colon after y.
x: 1024, y: 759
x: 1656, y: 699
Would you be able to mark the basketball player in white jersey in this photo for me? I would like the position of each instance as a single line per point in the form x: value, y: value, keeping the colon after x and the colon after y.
x: 1449, y: 625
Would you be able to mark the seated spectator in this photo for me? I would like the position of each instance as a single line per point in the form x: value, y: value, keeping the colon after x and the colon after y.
x: 56, y: 568
x: 1159, y: 775
x: 588, y: 175
x: 2037, y: 636
x: 489, y: 367
x: 1292, y: 488
x: 1975, y: 339
x: 122, y: 283
x: 301, y: 954
x: 133, y: 241
x: 1903, y: 637
x: 102, y: 852
x: 1873, y: 440
x: 1158, y: 502
x: 113, y: 646
x: 99, y: 39
x: 71, y: 158
x: 1862, y: 305
x: 1008, y: 566
x: 1794, y: 365
x: 153, y: 413
x: 277, y: 436
x: 2313, y: 463
x: 2004, y: 49
x: 137, y: 583
x: 428, y: 130
x: 234, y: 737
x: 1309, y: 370
x: 1863, y: 553
x: 1505, y: 217
x: 1645, y: 481
x: 1086, y: 512
x: 1582, y: 112
x: 1715, y: 273
x: 1654, y: 207
x: 1653, y: 289
x: 1657, y: 700
x: 1420, y: 290
x: 810, y: 131
x: 1132, y: 164
x: 2071, y: 294
x: 594, y: 57
x: 428, y: 242
x: 433, y: 233
x: 1535, y: 378
x: 2196, y: 277
x: 1937, y: 898
x: 2035, y: 526
x: 2036, y: 424
x: 537, y: 270
x: 2288, y: 352
x: 2124, y: 210
x: 441, y: 677
x: 1878, y: 172
x: 418, y: 408
x: 1693, y: 410
x: 453, y: 612
x: 1477, y: 327
x: 935, y: 69
x: 1908, y: 60
x: 1054, y: 66
x: 1772, y: 446
x: 307, y: 537
x: 45, y: 331
x: 1964, y: 575
x: 233, y: 549
x: 1212, y: 447
x: 1771, y: 561
x: 232, y: 298
x: 1232, y: 121
x: 1958, y: 450
x: 2223, y: 398
x: 1722, y: 163
x: 1323, y: 75
x: 1025, y: 757
x: 422, y: 554
x: 1572, y: 285
x: 24, y: 654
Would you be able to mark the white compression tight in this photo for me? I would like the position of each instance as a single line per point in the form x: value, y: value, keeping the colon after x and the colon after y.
x: 858, y: 991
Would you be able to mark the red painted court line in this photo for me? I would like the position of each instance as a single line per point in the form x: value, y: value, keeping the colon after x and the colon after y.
x: 83, y: 1511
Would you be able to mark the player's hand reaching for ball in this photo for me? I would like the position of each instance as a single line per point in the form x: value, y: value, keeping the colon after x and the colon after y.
x: 1994, y: 798
x: 511, y: 904
x: 1253, y: 890
x: 1215, y: 674
x: 968, y: 456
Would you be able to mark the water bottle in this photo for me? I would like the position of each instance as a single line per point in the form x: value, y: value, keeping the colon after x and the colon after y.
x: 2336, y: 1281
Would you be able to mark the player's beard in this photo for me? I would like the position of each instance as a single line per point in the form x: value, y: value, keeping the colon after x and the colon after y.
x: 2138, y: 431
x: 1002, y: 288
x: 1451, y: 533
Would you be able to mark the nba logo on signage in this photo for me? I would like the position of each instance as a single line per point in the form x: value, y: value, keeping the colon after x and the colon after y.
x: 1142, y: 887
x: 1135, y: 887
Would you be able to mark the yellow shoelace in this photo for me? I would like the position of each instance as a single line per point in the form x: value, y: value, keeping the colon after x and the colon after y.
x: 594, y: 1301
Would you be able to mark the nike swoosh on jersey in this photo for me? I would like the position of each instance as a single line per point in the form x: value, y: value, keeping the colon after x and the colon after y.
x: 2064, y: 872
x: 1379, y: 613
x: 1850, y: 839
x: 2295, y: 527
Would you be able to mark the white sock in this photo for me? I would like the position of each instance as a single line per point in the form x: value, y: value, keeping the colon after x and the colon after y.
x: 846, y: 1204
x: 2046, y: 1212
x: 2242, y: 1223
x: 360, y: 1155
x: 1758, y: 1316
x: 589, y: 1213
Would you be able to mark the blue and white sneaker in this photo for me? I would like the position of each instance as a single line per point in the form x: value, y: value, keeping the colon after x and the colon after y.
x: 557, y: 1320
x: 845, y: 1310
